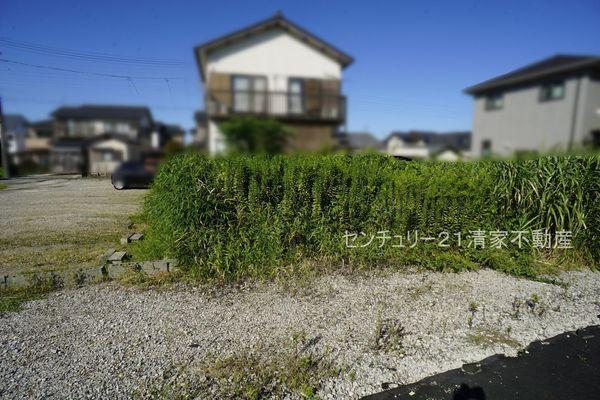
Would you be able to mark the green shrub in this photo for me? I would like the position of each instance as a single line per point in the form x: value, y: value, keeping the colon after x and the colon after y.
x: 253, y: 215
x: 255, y: 135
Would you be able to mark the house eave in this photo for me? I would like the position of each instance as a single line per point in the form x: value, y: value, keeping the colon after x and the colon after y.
x: 277, y: 21
x: 496, y: 83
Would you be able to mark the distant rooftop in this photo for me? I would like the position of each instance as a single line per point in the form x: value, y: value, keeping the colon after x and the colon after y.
x: 41, y: 124
x: 90, y: 111
x: 558, y: 64
x: 13, y: 122
x: 361, y: 140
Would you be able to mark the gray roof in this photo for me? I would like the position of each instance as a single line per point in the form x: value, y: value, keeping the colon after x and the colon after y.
x: 85, y: 142
x: 43, y: 124
x: 113, y: 135
x: 110, y: 112
x: 361, y: 140
x: 12, y: 122
x: 169, y: 131
x: 276, y: 21
x: 556, y: 65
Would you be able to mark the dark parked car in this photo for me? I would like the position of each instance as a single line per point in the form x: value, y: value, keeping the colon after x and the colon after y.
x: 133, y: 175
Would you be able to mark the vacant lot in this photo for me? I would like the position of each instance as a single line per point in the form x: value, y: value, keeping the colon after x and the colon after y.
x: 340, y: 336
x: 50, y: 223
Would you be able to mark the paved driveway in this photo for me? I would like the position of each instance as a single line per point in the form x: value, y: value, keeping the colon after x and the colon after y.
x: 566, y: 366
x: 58, y: 222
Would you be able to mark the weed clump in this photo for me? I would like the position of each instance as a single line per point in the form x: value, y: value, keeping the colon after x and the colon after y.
x: 249, y: 216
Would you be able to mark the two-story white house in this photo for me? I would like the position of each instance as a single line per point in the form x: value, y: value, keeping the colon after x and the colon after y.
x: 553, y: 104
x: 274, y: 69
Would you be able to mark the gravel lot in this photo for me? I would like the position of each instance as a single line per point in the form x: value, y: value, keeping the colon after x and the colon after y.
x: 60, y: 222
x: 109, y: 341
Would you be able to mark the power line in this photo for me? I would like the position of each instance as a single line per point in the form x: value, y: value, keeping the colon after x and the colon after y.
x: 57, y: 102
x: 128, y: 77
x: 88, y: 56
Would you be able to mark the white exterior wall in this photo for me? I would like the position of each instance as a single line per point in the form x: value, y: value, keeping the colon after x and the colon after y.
x: 397, y: 147
x: 16, y: 142
x: 448, y: 155
x: 274, y: 54
x: 107, y: 167
x: 15, y: 138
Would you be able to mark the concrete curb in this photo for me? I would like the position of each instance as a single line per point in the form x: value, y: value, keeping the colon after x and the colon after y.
x: 106, y: 270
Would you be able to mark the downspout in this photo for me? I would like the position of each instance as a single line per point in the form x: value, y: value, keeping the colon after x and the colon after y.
x: 574, y: 116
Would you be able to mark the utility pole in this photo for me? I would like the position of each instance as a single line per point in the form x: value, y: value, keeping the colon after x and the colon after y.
x: 4, y: 144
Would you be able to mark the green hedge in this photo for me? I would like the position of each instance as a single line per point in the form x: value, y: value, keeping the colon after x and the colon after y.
x: 253, y: 216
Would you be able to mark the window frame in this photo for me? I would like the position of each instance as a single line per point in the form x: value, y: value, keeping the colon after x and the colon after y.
x: 301, y: 95
x: 486, y: 148
x: 251, y: 93
x: 548, y: 86
x: 489, y: 106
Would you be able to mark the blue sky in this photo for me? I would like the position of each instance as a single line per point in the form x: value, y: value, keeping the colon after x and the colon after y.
x: 412, y: 59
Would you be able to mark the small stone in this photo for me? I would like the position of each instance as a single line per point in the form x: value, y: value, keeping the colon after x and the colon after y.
x: 136, y: 236
x: 117, y: 256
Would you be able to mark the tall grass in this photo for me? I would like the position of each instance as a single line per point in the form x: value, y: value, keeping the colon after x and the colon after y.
x: 249, y: 216
x: 557, y: 193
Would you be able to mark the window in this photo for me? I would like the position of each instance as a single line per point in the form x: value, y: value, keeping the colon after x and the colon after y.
x: 486, y: 148
x: 107, y: 156
x: 109, y: 126
x: 596, y: 139
x: 552, y: 91
x: 70, y: 128
x: 494, y: 101
x: 296, y: 96
x: 249, y: 93
x: 122, y: 127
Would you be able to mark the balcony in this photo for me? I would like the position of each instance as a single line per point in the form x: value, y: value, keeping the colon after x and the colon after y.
x: 280, y: 105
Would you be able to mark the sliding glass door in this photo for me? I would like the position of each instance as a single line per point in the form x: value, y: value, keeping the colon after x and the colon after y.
x: 249, y: 93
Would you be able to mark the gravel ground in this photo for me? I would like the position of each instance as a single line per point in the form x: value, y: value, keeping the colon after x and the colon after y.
x: 67, y: 204
x: 55, y: 222
x: 108, y: 341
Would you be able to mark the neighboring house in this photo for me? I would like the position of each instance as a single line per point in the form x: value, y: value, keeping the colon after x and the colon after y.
x: 411, y: 145
x: 448, y: 154
x: 168, y: 133
x: 274, y: 69
x: 37, y: 153
x: 420, y: 145
x: 37, y: 145
x: 361, y: 141
x: 42, y: 129
x: 94, y: 139
x: 15, y: 127
x: 552, y: 104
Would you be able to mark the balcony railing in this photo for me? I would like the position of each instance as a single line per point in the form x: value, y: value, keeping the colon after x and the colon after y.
x: 282, y: 105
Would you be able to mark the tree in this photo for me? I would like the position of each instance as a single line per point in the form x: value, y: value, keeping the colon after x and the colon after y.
x: 173, y: 147
x: 255, y: 135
